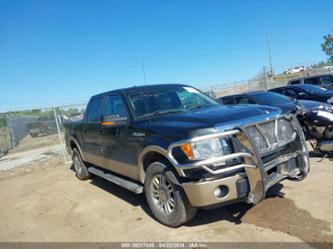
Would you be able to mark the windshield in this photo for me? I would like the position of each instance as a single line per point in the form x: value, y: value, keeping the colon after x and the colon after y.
x: 312, y: 89
x: 169, y: 99
x: 269, y: 98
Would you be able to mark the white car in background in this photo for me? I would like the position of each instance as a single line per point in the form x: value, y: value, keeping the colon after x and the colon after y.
x: 294, y: 70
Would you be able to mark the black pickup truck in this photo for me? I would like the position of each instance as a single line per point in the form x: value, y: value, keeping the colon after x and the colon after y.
x: 184, y: 150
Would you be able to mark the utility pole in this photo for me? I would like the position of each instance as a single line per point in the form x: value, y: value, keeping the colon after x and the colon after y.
x: 270, y: 52
x: 265, y: 79
x: 143, y: 71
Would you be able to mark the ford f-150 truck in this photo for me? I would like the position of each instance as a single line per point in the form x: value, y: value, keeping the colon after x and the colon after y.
x: 184, y: 150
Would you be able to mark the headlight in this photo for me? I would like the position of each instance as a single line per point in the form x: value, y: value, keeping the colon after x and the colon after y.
x: 264, y: 136
x: 285, y: 131
x: 258, y: 139
x: 206, y: 149
x: 330, y: 100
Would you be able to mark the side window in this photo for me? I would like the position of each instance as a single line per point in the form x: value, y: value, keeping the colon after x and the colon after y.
x: 115, y: 106
x: 94, y: 109
x: 244, y: 100
x: 290, y: 93
x: 313, y: 81
x: 295, y: 82
x: 326, y: 79
x: 228, y: 101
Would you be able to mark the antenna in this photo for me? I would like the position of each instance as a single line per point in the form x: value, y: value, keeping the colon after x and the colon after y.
x: 143, y: 71
x: 146, y: 95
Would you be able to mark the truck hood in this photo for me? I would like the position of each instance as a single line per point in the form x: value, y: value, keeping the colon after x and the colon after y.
x: 212, y: 118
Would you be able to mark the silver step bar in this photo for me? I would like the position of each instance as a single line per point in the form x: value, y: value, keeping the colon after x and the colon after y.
x: 128, y: 184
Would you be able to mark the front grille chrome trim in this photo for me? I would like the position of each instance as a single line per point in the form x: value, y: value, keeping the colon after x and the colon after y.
x: 277, y: 146
x: 277, y: 161
x: 209, y: 161
x: 228, y: 169
x: 272, y: 143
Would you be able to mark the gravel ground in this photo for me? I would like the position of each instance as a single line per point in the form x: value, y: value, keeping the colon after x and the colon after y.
x: 44, y: 202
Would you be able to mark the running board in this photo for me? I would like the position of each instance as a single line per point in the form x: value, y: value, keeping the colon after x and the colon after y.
x: 125, y: 183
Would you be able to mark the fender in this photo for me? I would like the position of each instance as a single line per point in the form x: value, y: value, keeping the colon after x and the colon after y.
x: 73, y: 139
x: 156, y: 144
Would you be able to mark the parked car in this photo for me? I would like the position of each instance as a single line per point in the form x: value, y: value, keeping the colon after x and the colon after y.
x: 184, y: 150
x: 316, y: 118
x: 322, y: 80
x: 270, y: 99
x: 306, y: 92
x: 294, y: 70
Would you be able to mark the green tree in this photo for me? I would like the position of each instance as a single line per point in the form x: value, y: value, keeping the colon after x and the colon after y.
x: 327, y: 46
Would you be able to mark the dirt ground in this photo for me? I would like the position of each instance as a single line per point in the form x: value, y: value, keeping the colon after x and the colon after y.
x: 30, y: 143
x: 46, y: 203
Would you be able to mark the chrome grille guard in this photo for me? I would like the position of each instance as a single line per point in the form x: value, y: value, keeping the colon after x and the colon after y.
x: 204, y: 163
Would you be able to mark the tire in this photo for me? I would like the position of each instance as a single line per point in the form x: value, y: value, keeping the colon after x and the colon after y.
x: 80, y: 168
x: 169, y: 204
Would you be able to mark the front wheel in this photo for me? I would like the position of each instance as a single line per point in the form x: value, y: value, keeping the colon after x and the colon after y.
x: 165, y: 197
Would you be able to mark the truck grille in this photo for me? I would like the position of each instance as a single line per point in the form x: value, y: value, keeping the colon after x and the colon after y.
x: 271, y: 135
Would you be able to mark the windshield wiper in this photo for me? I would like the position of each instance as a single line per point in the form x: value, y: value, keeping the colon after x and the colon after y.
x: 159, y: 113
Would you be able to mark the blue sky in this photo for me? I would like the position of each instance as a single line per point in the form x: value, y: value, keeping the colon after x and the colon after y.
x: 60, y: 52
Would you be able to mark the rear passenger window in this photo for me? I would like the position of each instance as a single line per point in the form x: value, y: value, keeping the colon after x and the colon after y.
x: 94, y: 109
x: 115, y: 106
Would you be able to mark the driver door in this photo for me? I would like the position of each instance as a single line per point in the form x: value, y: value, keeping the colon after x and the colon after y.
x: 119, y: 153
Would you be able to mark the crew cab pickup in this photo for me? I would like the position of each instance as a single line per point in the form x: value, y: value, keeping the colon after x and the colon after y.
x: 184, y: 150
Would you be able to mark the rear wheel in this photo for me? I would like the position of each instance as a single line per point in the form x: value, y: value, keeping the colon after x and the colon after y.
x: 165, y: 197
x: 80, y: 168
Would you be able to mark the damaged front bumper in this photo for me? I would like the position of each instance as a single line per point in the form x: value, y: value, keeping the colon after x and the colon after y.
x: 259, y: 169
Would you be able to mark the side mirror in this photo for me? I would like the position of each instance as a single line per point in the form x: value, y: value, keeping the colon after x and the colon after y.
x: 114, y: 120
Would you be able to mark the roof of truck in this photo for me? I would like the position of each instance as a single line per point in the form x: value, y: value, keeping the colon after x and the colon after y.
x: 138, y: 88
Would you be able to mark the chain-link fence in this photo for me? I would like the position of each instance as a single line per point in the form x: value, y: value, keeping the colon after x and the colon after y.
x: 265, y: 79
x: 35, y: 132
x: 67, y: 114
x: 5, y: 138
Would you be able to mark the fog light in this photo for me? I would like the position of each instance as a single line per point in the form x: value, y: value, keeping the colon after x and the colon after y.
x: 217, y: 192
x: 221, y: 191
